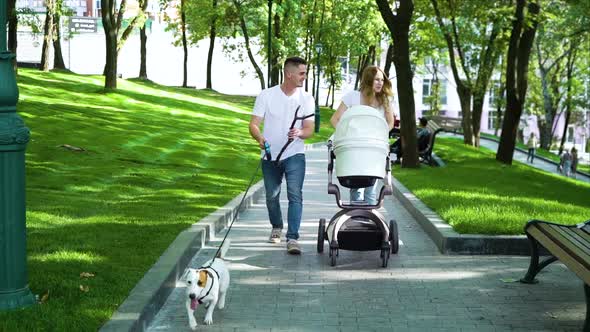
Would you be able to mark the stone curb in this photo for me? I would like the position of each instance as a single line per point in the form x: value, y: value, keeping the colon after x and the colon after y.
x: 450, y: 242
x: 151, y: 292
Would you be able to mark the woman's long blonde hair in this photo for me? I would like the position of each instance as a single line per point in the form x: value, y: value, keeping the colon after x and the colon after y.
x: 366, y: 89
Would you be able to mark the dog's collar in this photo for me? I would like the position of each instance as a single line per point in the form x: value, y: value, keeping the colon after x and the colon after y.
x: 206, y: 269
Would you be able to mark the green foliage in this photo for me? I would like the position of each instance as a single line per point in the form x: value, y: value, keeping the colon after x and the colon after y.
x: 29, y: 19
x: 157, y: 159
x: 477, y: 195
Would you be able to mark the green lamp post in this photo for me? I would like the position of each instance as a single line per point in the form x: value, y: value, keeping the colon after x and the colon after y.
x: 14, y: 136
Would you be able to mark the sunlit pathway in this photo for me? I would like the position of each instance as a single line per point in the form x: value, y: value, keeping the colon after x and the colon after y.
x: 522, y: 157
x: 420, y: 290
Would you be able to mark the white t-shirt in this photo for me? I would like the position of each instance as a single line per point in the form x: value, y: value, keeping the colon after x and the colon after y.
x: 353, y: 98
x: 278, y: 111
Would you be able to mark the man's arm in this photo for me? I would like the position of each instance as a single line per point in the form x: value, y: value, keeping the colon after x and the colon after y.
x: 254, y: 127
x: 303, y: 133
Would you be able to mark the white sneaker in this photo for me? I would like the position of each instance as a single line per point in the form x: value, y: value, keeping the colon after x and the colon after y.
x: 293, y: 247
x: 275, y: 235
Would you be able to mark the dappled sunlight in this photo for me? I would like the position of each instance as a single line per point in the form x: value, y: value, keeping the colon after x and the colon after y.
x: 66, y: 255
x: 477, y: 195
x: 155, y: 161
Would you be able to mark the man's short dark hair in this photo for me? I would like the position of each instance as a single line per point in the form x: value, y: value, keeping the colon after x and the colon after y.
x: 295, y: 60
x: 423, y: 122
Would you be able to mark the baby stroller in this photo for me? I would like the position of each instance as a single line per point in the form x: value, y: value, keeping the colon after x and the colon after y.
x: 359, y: 151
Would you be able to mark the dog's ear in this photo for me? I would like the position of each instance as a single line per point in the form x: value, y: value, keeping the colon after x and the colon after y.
x: 202, y: 279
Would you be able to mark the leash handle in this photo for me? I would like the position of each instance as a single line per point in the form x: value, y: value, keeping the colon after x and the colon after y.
x: 267, y: 151
x: 290, y: 140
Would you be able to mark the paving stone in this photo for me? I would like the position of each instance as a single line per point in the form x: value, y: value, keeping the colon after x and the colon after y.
x: 420, y: 290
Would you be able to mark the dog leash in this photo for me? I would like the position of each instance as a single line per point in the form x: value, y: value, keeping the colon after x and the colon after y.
x: 290, y: 140
x: 217, y: 253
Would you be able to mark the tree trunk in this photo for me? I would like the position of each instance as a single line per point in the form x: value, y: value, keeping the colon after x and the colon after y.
x: 464, y: 88
x: 399, y: 26
x: 47, y: 35
x: 388, y: 59
x: 465, y: 94
x: 274, y: 61
x: 333, y: 85
x: 12, y: 25
x: 571, y: 58
x: 143, y: 53
x: 358, y: 71
x: 488, y: 58
x: 58, y: 59
x: 498, y: 97
x: 519, y: 50
x: 184, y: 45
x: 110, y: 29
x: 249, y: 50
x: 212, y: 35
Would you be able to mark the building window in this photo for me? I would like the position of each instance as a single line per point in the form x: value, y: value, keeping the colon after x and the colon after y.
x: 493, y: 94
x: 427, y: 91
x: 426, y: 85
x: 492, y: 119
x: 570, y: 134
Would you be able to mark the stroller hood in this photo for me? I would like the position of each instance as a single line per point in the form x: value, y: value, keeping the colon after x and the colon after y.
x: 361, y: 143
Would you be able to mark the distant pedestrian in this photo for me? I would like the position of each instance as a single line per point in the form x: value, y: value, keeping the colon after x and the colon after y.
x: 532, y: 145
x: 574, y: 162
x: 566, y: 163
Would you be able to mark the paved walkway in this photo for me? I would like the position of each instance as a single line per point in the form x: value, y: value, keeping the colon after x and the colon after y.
x: 522, y: 157
x: 420, y: 290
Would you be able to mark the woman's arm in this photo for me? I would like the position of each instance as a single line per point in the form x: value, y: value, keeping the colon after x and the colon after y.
x: 389, y: 118
x: 338, y: 114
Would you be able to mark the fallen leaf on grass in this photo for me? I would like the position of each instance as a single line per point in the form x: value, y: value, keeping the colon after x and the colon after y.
x: 85, y: 289
x: 86, y: 275
x: 71, y: 148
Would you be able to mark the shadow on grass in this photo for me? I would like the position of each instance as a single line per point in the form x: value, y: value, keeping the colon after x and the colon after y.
x: 476, y: 194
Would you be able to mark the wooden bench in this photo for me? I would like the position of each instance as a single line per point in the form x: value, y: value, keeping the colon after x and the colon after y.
x: 436, y: 124
x: 447, y: 123
x: 568, y: 244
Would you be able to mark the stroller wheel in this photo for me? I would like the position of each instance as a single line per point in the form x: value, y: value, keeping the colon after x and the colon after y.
x: 393, y: 237
x: 321, y: 235
x: 384, y: 257
x: 333, y: 254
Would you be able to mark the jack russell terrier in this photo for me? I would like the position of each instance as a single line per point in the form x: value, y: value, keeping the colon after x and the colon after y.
x: 206, y: 285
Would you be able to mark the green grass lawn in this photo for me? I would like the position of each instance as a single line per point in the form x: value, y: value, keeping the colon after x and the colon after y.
x: 156, y: 160
x: 584, y: 167
x: 478, y: 195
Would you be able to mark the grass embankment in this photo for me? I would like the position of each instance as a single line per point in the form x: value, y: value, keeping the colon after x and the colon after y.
x: 544, y: 153
x: 477, y: 195
x: 156, y: 160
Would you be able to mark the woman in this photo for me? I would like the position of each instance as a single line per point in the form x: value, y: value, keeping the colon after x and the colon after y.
x: 375, y: 91
x: 574, y: 167
x: 532, y: 145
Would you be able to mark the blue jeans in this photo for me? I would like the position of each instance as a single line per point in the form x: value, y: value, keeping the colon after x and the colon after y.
x: 293, y: 168
x: 370, y: 194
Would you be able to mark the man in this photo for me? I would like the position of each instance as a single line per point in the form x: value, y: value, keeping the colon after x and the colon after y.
x: 276, y: 106
x: 422, y: 137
